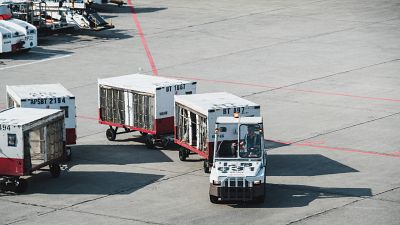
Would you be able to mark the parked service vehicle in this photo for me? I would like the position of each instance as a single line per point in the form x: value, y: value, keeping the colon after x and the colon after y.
x: 195, y: 117
x: 59, y: 14
x: 15, y: 35
x: 30, y: 139
x: 47, y: 96
x: 239, y: 164
x: 141, y: 103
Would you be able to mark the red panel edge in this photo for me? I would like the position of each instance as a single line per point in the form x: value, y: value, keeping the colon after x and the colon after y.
x: 191, y: 148
x: 11, y: 167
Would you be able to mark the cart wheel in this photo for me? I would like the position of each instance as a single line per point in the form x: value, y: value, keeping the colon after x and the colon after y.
x: 127, y: 129
x: 206, y: 166
x: 55, y: 170
x: 150, y: 142
x: 68, y: 154
x: 21, y: 185
x: 165, y: 142
x: 143, y: 133
x: 182, y: 154
x: 213, y: 199
x: 111, y: 134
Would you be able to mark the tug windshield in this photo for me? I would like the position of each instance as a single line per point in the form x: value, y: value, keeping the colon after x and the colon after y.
x: 244, y: 141
x: 250, y: 139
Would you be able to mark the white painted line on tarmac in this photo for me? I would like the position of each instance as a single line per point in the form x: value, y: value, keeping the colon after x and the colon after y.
x: 34, y: 62
x: 45, y: 53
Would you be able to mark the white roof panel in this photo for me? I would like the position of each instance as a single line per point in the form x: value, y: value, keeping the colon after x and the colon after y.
x: 22, y: 116
x: 141, y: 82
x: 39, y: 91
x: 202, y: 103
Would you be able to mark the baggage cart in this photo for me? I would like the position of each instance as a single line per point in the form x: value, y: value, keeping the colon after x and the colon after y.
x: 47, y: 96
x: 141, y: 103
x: 30, y: 139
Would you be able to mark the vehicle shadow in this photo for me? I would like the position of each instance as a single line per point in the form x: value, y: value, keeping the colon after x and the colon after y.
x: 69, y: 36
x: 304, y: 165
x: 111, y: 8
x: 116, y: 154
x: 37, y: 53
x: 288, y: 196
x: 89, y: 182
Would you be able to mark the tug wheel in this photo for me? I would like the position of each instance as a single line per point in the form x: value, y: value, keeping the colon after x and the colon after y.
x: 213, y: 199
x: 55, y: 170
x: 111, y: 134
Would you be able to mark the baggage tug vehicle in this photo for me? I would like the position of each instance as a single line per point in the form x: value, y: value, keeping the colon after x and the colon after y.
x: 239, y: 164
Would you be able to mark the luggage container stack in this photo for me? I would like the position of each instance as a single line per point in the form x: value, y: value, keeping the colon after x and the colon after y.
x: 141, y: 103
x: 30, y: 139
x: 47, y: 96
x: 195, y: 118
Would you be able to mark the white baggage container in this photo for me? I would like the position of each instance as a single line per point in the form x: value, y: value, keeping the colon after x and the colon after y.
x: 46, y: 96
x: 30, y: 139
x: 195, y: 118
x: 142, y: 103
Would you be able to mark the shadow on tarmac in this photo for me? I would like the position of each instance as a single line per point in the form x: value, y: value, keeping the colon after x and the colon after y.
x: 89, y: 182
x: 304, y: 165
x: 111, y: 8
x: 116, y: 155
x: 288, y: 196
x: 36, y: 53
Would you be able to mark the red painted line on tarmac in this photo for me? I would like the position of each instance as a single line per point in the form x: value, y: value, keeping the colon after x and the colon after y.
x: 144, y: 42
x: 291, y: 89
x: 306, y: 144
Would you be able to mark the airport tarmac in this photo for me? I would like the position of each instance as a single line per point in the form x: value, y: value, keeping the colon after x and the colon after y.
x: 326, y: 74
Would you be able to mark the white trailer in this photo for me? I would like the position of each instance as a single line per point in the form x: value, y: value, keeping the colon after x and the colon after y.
x: 47, y: 96
x: 15, y: 35
x: 30, y: 139
x: 195, y: 118
x: 239, y: 164
x: 142, y: 103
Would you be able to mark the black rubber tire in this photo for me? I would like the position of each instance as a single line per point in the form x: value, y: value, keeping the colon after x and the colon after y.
x: 68, y: 154
x: 206, y: 166
x: 213, y: 199
x: 182, y: 154
x: 165, y: 142
x: 150, y: 144
x: 111, y: 134
x: 143, y: 133
x: 21, y: 185
x: 55, y: 170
